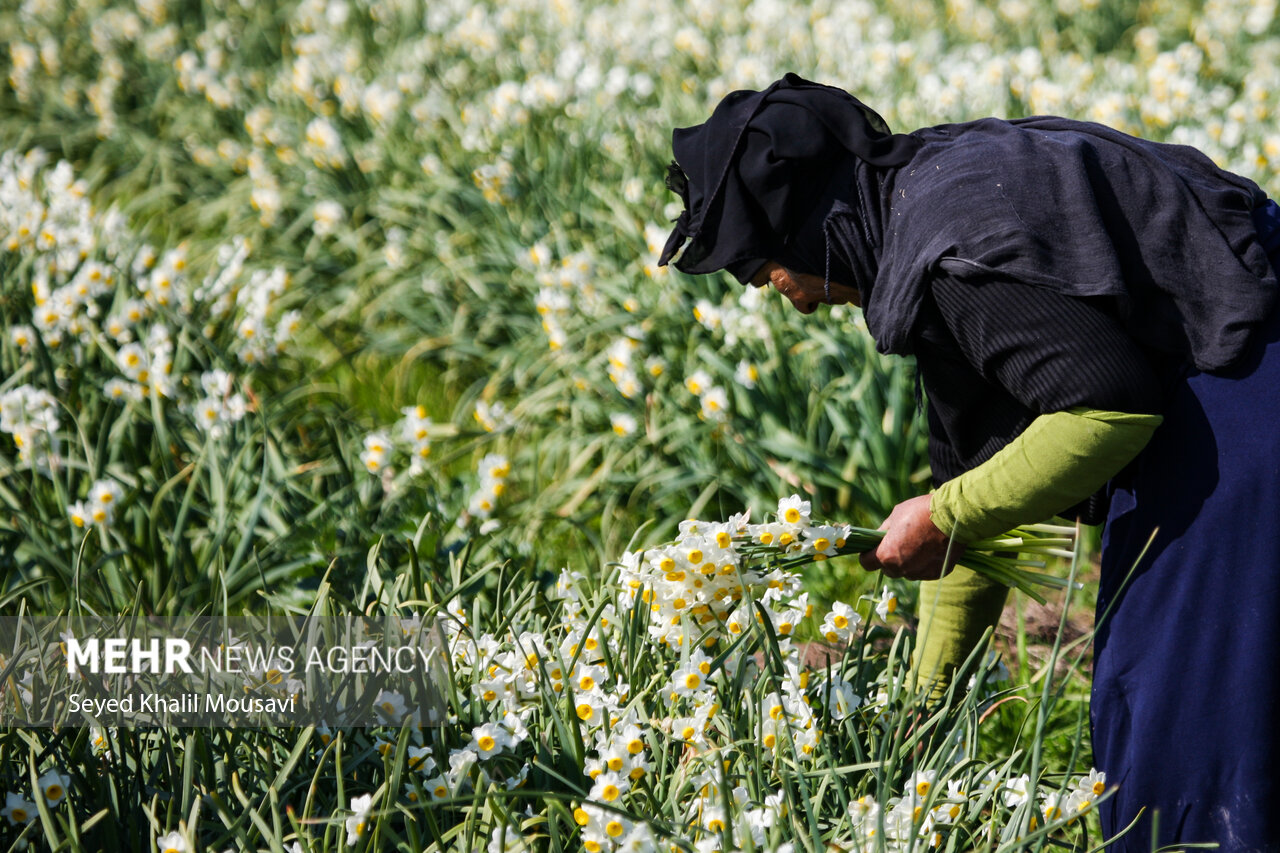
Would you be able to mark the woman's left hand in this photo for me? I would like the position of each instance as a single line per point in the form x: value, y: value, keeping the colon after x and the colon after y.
x: 913, y: 547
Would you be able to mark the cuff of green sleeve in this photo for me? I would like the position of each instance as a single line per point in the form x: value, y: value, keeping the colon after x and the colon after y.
x: 943, y: 515
x: 955, y: 613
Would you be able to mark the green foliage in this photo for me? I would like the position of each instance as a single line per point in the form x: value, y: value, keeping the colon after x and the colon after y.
x: 370, y: 252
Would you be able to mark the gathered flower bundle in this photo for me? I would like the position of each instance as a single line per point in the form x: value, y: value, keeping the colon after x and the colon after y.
x: 713, y: 571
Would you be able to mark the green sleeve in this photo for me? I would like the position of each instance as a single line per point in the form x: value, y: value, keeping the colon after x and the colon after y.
x: 955, y: 612
x: 1058, y: 461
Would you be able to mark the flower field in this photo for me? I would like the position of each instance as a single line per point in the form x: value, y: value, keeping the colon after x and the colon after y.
x: 345, y: 313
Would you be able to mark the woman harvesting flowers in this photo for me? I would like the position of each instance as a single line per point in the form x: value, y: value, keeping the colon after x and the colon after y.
x: 1092, y: 317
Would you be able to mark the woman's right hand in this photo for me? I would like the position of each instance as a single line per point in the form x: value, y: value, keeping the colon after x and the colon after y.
x: 913, y: 547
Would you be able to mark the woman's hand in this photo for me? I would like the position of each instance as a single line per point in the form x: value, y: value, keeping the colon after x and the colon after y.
x: 913, y: 547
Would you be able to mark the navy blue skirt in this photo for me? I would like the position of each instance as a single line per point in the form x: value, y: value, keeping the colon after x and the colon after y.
x: 1186, y: 689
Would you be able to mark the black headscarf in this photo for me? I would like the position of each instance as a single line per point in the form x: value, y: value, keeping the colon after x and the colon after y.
x: 761, y: 169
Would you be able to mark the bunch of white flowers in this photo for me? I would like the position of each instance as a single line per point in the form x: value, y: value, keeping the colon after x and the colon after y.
x: 100, y: 507
x: 713, y: 400
x: 705, y: 582
x: 221, y: 405
x: 30, y: 416
x: 493, y: 471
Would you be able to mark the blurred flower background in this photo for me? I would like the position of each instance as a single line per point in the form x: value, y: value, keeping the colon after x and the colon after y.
x: 325, y: 294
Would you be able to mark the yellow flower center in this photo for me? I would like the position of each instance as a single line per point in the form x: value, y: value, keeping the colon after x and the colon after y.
x: 580, y: 817
x: 692, y: 680
x: 609, y: 793
x: 584, y: 711
x: 821, y: 544
x: 792, y: 515
x: 614, y: 828
x: 485, y: 742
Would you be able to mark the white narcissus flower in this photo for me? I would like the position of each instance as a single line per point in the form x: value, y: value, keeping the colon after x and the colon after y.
x: 390, y: 704
x: 825, y: 540
x: 1014, y: 792
x: 328, y: 216
x: 715, y: 404
x: 54, y: 786
x: 79, y: 513
x: 132, y: 360
x: 358, y: 824
x: 17, y: 809
x: 377, y: 449
x: 490, y: 739
x: 841, y: 699
x: 793, y: 510
x: 698, y: 382
x: 172, y: 842
x: 100, y: 508
x: 608, y: 788
x: 622, y: 423
x: 887, y: 603
x: 840, y: 622
x: 494, y: 466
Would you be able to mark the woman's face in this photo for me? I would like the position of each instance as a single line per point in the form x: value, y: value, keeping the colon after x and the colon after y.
x: 805, y: 291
